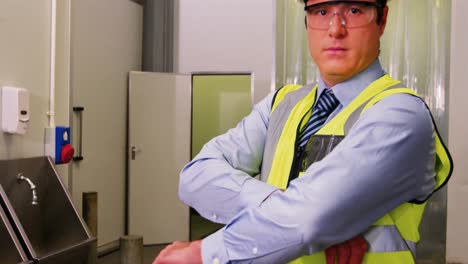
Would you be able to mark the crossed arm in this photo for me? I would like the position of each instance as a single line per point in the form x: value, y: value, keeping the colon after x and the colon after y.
x: 387, y: 159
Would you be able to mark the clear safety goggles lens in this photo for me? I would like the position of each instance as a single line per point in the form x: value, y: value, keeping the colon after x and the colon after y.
x: 351, y: 14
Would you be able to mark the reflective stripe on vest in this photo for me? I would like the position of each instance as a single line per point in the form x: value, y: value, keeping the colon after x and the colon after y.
x: 393, y: 237
x: 387, y: 238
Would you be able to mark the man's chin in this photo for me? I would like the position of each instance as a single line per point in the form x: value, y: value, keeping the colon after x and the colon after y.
x: 335, y: 76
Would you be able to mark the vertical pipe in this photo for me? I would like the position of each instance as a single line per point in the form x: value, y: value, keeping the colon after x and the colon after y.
x: 53, y: 33
x: 131, y: 249
x: 158, y: 36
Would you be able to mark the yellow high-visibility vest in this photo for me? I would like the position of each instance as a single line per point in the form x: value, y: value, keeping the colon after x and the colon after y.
x: 400, y: 227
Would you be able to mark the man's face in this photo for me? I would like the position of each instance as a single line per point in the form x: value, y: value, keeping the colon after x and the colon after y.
x: 340, y: 51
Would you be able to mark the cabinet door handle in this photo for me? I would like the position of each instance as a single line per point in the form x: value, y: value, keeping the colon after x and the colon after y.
x: 79, y: 111
x: 134, y: 150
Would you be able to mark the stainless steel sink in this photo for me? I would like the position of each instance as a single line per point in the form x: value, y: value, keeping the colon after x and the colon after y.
x: 51, y: 231
x: 11, y: 251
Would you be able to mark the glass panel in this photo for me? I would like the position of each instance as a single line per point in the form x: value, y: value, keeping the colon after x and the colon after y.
x: 219, y: 103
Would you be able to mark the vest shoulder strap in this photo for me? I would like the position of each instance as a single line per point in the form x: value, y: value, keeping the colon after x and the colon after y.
x: 388, y: 92
x: 281, y: 93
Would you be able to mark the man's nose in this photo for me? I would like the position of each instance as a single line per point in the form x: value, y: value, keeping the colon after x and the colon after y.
x: 337, y: 26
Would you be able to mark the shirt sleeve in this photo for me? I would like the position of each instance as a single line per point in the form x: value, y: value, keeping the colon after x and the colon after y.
x: 386, y: 159
x: 219, y: 181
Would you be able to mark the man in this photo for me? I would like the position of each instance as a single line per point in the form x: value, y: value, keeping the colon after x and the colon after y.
x: 346, y: 164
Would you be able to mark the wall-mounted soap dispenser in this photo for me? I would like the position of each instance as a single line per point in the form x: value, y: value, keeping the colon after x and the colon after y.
x: 15, y: 110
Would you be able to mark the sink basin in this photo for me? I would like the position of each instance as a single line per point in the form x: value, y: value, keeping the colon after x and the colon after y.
x: 11, y: 251
x: 51, y: 231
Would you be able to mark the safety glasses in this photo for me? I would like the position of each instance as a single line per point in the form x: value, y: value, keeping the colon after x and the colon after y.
x: 351, y: 14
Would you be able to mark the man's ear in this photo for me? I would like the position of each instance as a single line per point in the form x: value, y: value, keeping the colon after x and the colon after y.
x: 383, y: 21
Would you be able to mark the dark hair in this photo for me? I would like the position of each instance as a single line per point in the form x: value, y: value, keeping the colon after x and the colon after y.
x: 382, y: 4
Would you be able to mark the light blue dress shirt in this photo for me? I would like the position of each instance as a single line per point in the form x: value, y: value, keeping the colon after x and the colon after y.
x: 386, y: 159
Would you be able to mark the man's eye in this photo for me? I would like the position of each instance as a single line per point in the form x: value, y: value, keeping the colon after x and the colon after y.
x: 322, y: 12
x: 318, y: 12
x: 355, y: 11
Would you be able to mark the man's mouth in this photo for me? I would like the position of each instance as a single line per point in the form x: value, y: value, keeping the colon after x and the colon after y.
x: 335, y: 50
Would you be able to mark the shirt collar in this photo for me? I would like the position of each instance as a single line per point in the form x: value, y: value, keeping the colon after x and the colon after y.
x: 346, y: 91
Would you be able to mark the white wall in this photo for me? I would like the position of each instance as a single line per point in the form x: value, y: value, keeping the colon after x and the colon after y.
x: 25, y: 62
x: 457, y: 228
x: 213, y: 35
x: 24, y: 53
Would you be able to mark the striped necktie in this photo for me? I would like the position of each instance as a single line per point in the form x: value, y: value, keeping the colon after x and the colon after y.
x: 325, y: 105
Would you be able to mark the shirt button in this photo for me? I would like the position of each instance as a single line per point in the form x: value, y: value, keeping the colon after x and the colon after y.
x: 255, y: 250
x: 215, y: 216
x: 216, y: 261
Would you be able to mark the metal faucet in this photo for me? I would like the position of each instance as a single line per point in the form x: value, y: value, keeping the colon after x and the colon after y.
x: 20, y: 178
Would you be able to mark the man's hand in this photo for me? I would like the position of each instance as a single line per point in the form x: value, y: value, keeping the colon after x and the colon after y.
x: 348, y: 252
x: 180, y: 253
